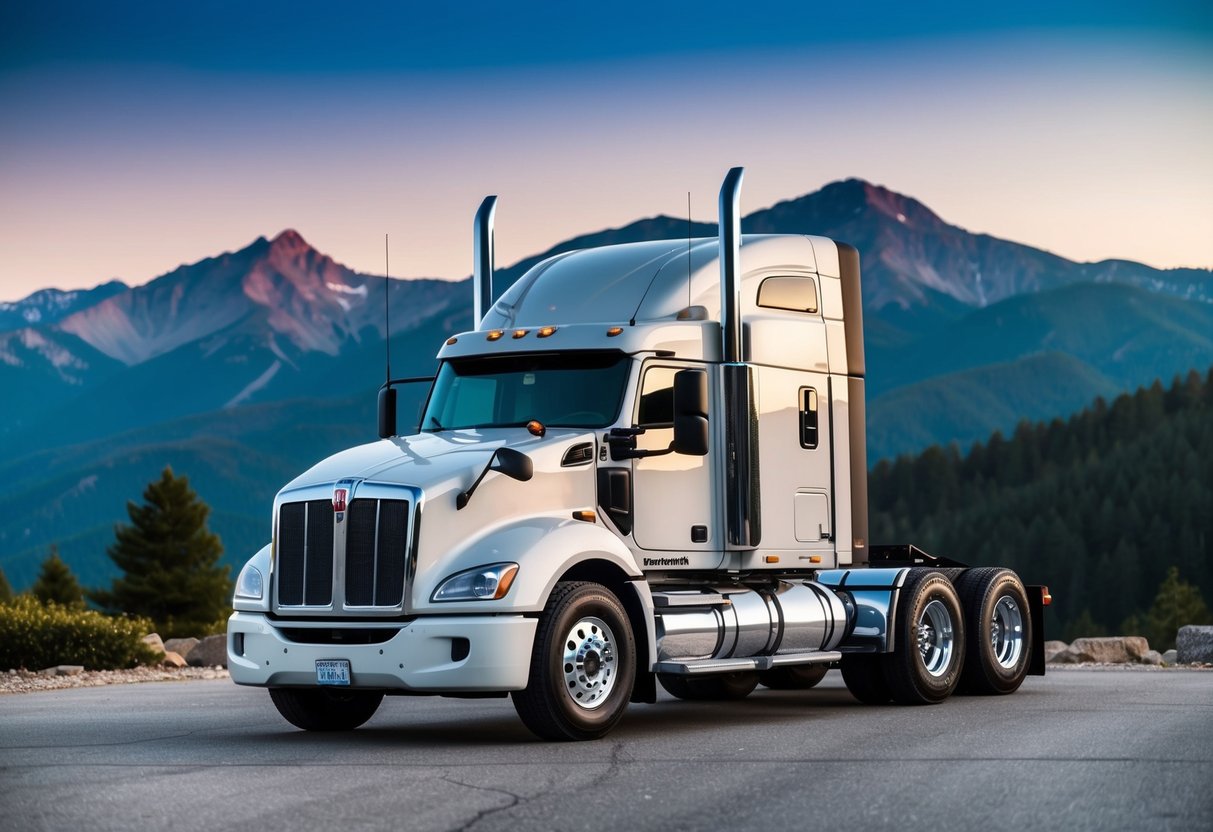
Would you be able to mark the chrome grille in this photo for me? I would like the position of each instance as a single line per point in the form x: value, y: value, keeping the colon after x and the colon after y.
x: 305, y: 554
x: 361, y: 563
x: 374, y: 553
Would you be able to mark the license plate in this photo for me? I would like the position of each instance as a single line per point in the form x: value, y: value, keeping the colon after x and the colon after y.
x: 332, y: 672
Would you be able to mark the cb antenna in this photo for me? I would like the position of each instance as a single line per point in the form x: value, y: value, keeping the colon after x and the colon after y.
x: 387, y: 294
x: 688, y: 249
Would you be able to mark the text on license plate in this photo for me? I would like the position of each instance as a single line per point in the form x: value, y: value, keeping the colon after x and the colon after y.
x: 332, y: 672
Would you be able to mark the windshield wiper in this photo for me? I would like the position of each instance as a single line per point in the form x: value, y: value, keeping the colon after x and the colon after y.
x: 437, y: 425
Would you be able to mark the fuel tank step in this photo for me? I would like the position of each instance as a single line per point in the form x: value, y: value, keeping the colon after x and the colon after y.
x: 707, y: 666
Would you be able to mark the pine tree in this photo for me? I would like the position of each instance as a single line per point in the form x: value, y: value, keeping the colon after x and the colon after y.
x: 6, y: 589
x: 1178, y: 604
x: 56, y: 584
x: 170, y: 562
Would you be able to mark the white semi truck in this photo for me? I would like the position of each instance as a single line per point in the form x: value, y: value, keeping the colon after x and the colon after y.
x: 646, y: 465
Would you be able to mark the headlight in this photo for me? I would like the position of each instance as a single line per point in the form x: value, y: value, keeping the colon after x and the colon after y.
x: 484, y: 583
x: 250, y: 584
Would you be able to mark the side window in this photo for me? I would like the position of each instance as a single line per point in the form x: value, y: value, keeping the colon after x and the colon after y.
x: 657, y: 398
x: 808, y: 417
x: 795, y: 294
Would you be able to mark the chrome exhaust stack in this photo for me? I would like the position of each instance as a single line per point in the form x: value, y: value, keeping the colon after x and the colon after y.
x: 743, y: 505
x: 482, y: 271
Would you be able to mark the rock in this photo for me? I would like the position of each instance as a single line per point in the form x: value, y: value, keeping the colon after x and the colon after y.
x: 1110, y: 650
x: 1170, y: 657
x: 1053, y: 649
x: 63, y: 670
x: 1194, y: 643
x: 210, y: 652
x: 1152, y: 657
x: 181, y: 646
x: 172, y: 659
x: 153, y: 641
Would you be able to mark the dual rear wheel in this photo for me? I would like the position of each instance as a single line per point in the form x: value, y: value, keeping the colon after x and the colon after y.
x: 971, y: 637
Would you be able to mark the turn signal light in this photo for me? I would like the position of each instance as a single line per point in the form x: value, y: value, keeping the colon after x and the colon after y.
x: 587, y: 516
x: 536, y: 427
x: 545, y: 331
x: 613, y: 331
x: 495, y: 335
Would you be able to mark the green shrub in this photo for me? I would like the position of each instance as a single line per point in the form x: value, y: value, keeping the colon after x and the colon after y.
x: 34, y: 636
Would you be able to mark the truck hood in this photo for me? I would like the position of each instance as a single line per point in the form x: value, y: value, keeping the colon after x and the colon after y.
x: 430, y: 458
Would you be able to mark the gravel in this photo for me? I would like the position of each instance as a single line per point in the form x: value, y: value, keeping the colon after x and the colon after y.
x: 31, y: 681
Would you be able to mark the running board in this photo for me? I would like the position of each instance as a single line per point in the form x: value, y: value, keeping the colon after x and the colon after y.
x: 708, y: 666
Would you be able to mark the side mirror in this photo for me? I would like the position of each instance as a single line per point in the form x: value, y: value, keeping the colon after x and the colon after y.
x: 690, y: 413
x: 387, y: 412
x: 514, y: 464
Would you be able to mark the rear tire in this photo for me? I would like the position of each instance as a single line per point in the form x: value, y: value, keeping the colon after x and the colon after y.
x: 999, y: 625
x: 583, y: 665
x: 720, y: 687
x: 929, y: 641
x: 320, y: 709
x: 795, y: 677
x: 864, y: 676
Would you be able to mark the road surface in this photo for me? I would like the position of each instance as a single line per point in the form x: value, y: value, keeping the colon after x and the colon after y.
x: 1099, y: 750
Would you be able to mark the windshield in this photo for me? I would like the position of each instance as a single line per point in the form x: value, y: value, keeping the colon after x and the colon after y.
x: 575, y: 390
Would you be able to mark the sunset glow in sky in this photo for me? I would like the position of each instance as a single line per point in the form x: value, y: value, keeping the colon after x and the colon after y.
x: 138, y: 136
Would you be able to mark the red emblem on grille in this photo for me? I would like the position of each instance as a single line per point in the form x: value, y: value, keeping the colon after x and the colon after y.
x: 339, y: 496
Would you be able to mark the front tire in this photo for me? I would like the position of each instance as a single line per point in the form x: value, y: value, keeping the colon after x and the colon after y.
x: 320, y: 709
x: 999, y: 625
x: 583, y: 665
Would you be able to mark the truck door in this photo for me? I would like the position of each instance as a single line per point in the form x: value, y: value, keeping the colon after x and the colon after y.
x: 672, y: 503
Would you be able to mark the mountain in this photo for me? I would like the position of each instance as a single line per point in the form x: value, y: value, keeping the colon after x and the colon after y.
x: 243, y: 369
x: 49, y: 305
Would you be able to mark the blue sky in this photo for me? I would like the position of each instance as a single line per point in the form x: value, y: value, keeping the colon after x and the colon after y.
x: 141, y: 135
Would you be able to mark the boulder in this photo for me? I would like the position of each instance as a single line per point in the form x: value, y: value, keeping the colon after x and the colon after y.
x: 172, y: 659
x: 1109, y: 650
x: 153, y: 641
x: 210, y: 652
x: 1194, y: 643
x: 181, y: 646
x: 1152, y: 657
x: 1170, y: 657
x: 1054, y: 649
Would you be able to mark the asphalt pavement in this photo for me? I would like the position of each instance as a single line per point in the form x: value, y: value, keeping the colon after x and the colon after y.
x: 1099, y: 750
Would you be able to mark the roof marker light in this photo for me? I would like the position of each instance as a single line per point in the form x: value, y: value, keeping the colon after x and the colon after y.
x: 613, y: 331
x: 545, y: 331
x: 519, y: 333
x: 451, y: 340
x: 495, y: 335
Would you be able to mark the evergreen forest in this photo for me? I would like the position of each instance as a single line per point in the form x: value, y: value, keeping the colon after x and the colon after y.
x: 1098, y: 507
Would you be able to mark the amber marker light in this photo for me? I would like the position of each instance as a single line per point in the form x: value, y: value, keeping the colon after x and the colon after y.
x: 545, y: 331
x: 536, y: 427
x: 814, y: 558
x: 772, y: 558
x: 519, y: 333
x: 586, y: 516
x: 452, y: 340
x: 1045, y: 597
x: 495, y: 335
x: 613, y: 331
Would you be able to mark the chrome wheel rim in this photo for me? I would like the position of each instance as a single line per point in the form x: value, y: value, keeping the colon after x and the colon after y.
x: 1006, y: 632
x: 589, y: 663
x: 936, y: 639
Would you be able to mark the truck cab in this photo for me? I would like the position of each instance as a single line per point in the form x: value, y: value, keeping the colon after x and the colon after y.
x: 645, y: 465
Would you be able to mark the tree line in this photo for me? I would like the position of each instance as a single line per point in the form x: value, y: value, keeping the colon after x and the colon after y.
x: 1101, y: 507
